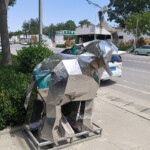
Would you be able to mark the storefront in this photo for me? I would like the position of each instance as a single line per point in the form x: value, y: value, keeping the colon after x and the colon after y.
x: 86, y: 33
x: 63, y: 35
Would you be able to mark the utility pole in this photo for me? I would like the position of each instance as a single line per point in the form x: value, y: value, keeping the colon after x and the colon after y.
x: 137, y: 23
x: 40, y: 22
x: 95, y: 26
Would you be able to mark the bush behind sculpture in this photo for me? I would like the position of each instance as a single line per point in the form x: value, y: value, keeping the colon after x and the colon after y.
x: 13, y: 88
x: 14, y: 81
x: 30, y: 56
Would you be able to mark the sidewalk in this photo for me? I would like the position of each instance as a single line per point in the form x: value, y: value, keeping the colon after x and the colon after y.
x: 122, y: 130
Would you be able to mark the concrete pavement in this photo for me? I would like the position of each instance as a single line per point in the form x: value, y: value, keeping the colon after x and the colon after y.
x: 122, y: 129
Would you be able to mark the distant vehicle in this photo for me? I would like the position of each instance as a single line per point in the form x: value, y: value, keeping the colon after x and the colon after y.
x: 144, y: 50
x: 115, y: 65
x: 24, y: 43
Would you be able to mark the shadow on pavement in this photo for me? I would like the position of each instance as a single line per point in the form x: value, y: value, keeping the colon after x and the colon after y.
x: 107, y: 83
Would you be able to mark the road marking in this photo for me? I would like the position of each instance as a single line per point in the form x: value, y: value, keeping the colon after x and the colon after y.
x: 125, y: 81
x: 137, y: 61
x: 136, y: 70
x: 133, y: 89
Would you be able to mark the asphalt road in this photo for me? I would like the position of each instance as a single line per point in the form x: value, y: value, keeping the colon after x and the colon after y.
x: 135, y: 80
x: 15, y: 47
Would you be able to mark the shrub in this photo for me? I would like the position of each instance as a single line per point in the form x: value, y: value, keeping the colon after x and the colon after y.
x: 30, y: 56
x: 60, y: 45
x: 124, y: 48
x: 13, y: 87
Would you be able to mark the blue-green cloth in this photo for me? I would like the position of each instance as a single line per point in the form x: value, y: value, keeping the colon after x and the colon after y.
x: 74, y: 50
x: 42, y: 81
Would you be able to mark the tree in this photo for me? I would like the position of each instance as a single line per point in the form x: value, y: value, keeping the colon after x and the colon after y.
x: 70, y: 25
x: 31, y: 26
x: 17, y: 33
x: 143, y: 23
x: 51, y: 29
x: 85, y: 21
x: 118, y: 10
x: 60, y: 26
x: 6, y: 55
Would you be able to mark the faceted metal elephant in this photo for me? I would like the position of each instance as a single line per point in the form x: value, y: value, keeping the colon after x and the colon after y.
x: 67, y: 85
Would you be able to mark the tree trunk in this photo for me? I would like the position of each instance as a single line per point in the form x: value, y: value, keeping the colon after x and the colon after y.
x: 6, y: 56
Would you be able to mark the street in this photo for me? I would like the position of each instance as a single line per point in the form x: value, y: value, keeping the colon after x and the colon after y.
x: 135, y: 80
x: 15, y: 47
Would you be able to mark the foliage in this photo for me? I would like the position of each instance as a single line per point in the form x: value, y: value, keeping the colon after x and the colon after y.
x: 124, y: 48
x: 143, y: 23
x: 85, y: 21
x: 118, y: 10
x: 51, y: 29
x: 17, y: 33
x: 70, y: 25
x: 12, y: 2
x: 13, y: 87
x: 30, y: 56
x: 60, y: 45
x: 31, y: 26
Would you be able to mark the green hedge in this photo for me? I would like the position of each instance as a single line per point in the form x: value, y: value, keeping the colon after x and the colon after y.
x: 60, y: 45
x: 13, y: 87
x: 124, y: 48
x: 13, y: 84
x: 30, y: 56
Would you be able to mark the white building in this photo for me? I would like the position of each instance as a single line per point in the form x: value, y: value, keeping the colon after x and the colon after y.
x: 87, y: 32
x: 63, y: 35
x: 126, y: 36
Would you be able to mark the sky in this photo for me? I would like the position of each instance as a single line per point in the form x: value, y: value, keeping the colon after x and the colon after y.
x: 54, y: 11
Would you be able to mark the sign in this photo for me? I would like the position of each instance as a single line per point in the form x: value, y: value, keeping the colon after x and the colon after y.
x: 66, y: 32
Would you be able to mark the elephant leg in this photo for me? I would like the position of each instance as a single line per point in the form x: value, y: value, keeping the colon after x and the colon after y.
x: 86, y: 114
x: 50, y: 124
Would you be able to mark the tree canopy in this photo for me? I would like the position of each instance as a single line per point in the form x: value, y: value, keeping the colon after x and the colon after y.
x: 118, y: 10
x: 143, y: 23
x: 51, y: 29
x: 70, y: 25
x: 85, y: 21
x: 12, y: 2
x: 16, y: 33
x: 31, y: 26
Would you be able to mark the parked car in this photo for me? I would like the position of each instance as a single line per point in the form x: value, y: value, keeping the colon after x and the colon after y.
x: 145, y: 50
x: 115, y: 65
x: 24, y: 42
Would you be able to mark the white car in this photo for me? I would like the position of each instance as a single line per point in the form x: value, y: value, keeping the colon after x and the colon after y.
x: 115, y: 65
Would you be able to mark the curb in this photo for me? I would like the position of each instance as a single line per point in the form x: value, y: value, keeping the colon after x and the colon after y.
x: 11, y: 130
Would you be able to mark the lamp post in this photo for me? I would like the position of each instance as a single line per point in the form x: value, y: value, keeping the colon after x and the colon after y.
x: 40, y: 21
